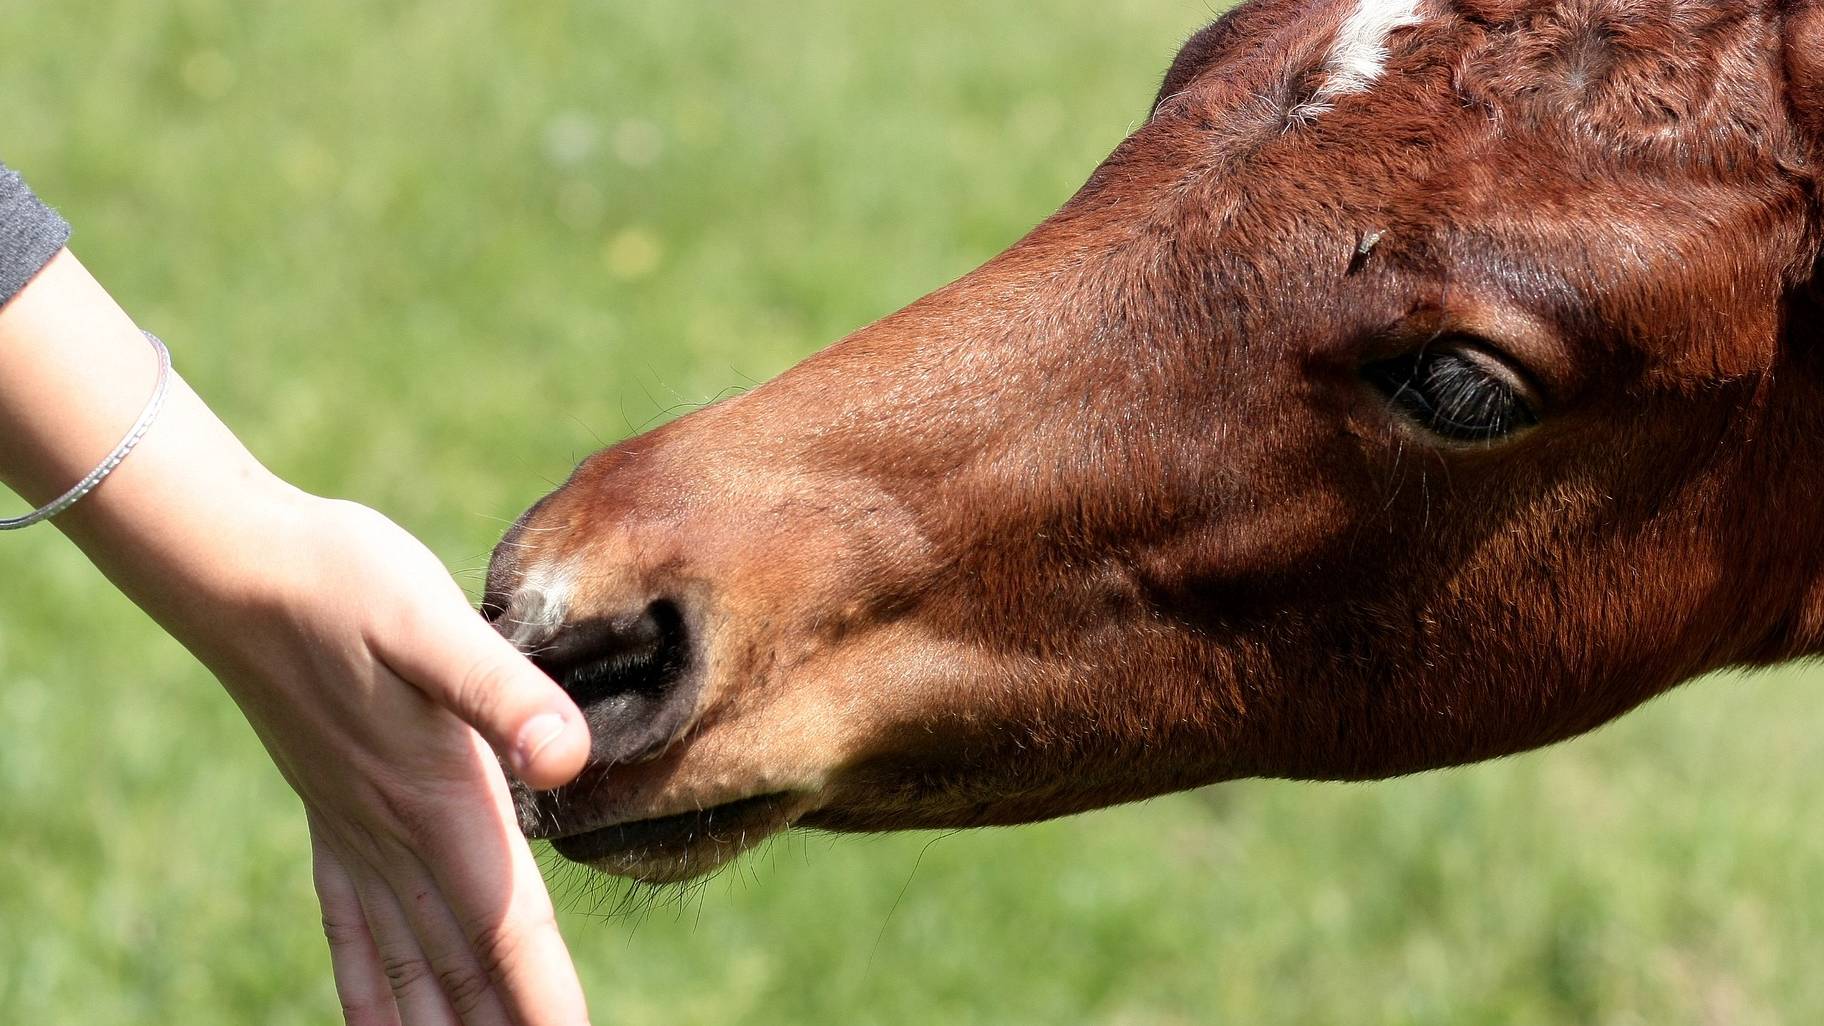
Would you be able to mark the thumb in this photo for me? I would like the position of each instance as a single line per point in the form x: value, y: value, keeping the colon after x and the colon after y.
x: 463, y: 665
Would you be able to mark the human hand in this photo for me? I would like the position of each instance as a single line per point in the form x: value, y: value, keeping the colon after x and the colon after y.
x: 361, y: 667
x: 354, y: 655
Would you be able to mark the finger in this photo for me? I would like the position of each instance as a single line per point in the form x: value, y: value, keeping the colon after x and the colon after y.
x: 408, y: 972
x: 361, y: 985
x: 449, y: 653
x: 465, y: 981
x: 494, y: 890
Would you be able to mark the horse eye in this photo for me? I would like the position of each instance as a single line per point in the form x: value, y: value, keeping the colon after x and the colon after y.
x: 1454, y: 391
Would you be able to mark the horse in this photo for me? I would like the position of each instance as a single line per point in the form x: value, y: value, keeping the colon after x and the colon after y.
x: 1423, y: 381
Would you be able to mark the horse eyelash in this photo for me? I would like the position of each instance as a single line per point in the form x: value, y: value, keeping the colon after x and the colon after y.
x: 1451, y: 396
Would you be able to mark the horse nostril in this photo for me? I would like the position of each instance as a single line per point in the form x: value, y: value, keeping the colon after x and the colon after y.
x: 596, y: 660
x: 630, y: 676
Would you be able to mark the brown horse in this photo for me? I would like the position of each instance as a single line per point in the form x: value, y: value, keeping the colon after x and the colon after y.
x: 1424, y: 381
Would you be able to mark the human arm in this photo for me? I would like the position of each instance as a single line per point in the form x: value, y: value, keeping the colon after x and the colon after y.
x: 353, y: 654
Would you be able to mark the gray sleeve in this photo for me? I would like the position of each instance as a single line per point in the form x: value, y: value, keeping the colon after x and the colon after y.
x: 30, y: 234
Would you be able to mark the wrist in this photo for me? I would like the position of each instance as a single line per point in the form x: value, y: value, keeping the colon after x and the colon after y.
x: 188, y: 525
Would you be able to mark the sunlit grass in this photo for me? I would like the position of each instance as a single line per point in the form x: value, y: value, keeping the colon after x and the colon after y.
x: 427, y: 255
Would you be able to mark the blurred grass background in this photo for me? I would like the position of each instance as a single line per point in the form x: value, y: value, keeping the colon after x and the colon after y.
x: 427, y: 255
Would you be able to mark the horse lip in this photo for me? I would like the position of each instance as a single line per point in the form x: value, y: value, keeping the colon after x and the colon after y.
x: 551, y: 826
x: 672, y: 832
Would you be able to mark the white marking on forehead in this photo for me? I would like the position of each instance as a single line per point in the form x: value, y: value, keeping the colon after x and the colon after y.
x: 1358, y: 54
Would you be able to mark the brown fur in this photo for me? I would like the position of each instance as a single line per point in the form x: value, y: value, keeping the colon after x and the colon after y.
x: 1115, y: 514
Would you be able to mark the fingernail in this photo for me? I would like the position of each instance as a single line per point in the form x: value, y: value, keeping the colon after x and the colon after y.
x: 535, y: 736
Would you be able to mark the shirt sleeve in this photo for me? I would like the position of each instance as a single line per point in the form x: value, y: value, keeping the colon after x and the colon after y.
x: 30, y: 234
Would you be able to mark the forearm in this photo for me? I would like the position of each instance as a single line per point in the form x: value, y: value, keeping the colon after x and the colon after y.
x: 181, y: 522
x: 355, y: 656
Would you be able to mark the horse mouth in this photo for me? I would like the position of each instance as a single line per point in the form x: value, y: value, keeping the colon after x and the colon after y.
x: 676, y: 847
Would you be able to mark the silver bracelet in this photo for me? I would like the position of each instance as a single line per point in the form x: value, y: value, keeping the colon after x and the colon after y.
x: 140, y: 426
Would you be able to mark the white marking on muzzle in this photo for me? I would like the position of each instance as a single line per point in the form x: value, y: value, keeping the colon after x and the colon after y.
x: 537, y: 609
x: 1358, y: 54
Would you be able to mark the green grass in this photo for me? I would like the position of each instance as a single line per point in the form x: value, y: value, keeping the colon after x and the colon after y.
x: 428, y: 254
